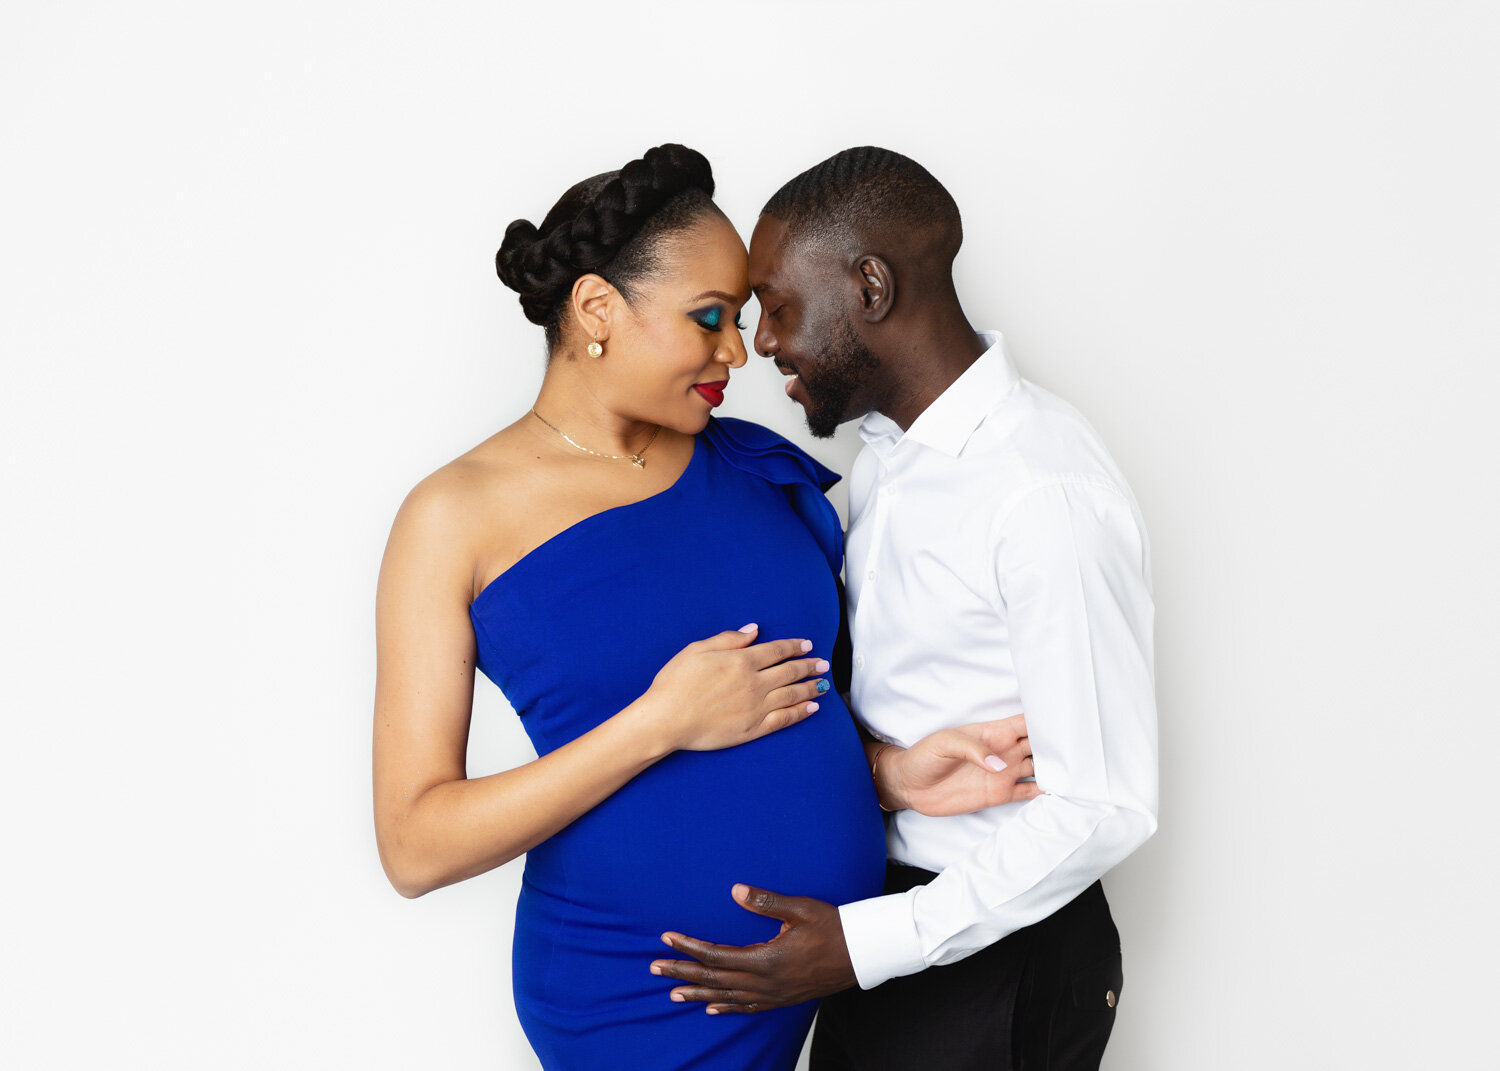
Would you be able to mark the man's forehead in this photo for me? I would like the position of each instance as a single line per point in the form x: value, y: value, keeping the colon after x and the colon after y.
x: 777, y: 259
x: 768, y: 238
x: 765, y: 254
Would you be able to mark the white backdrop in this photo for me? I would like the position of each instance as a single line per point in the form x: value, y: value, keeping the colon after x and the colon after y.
x: 247, y: 300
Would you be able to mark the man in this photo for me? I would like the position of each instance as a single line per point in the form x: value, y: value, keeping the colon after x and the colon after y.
x: 996, y: 563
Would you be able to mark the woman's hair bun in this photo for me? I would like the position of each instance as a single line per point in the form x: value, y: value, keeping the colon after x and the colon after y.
x: 525, y: 265
x: 593, y: 224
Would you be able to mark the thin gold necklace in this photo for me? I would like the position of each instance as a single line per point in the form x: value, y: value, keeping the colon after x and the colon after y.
x: 635, y: 459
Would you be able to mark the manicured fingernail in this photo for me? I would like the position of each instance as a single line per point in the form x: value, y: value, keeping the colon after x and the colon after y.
x: 994, y: 762
x: 678, y: 997
x: 750, y: 628
x: 820, y: 666
x: 823, y: 685
x: 806, y: 646
x: 812, y: 708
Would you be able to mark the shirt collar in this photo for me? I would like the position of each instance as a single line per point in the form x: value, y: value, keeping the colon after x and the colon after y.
x: 953, y: 416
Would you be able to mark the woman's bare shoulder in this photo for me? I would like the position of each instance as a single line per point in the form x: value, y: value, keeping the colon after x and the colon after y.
x: 474, y: 516
x: 472, y: 491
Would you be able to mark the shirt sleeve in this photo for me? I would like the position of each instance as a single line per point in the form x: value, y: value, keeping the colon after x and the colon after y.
x: 1072, y: 578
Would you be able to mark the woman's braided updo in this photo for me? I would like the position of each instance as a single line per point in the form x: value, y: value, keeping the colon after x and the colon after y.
x: 611, y: 225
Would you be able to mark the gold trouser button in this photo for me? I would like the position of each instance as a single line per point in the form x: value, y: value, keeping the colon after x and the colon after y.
x: 1109, y: 998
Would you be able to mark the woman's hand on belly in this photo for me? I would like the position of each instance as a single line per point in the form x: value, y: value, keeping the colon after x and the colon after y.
x: 728, y: 690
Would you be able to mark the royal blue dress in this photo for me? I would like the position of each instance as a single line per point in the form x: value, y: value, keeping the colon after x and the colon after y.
x: 576, y: 631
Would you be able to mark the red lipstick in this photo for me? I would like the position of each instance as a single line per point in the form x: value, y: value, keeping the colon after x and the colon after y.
x: 713, y: 393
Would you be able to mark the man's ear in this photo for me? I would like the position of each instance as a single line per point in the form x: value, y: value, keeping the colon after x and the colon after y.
x: 593, y: 305
x: 877, y: 287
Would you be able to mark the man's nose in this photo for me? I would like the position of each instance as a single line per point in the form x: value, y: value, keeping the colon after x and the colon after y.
x: 765, y: 338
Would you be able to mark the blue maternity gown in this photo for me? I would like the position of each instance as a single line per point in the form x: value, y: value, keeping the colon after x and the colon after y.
x: 577, y: 630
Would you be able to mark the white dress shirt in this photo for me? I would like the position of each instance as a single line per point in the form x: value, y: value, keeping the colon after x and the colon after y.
x: 998, y: 565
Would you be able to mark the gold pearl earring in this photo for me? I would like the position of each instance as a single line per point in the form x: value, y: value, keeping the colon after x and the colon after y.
x: 595, y: 350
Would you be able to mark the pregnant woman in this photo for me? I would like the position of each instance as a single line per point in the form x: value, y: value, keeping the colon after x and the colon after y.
x: 578, y: 558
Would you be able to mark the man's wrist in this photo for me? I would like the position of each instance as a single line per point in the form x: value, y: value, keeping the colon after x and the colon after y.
x: 880, y: 937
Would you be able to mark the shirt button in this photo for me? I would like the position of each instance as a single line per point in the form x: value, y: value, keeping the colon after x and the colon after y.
x: 1109, y: 998
x: 859, y: 661
x: 870, y: 575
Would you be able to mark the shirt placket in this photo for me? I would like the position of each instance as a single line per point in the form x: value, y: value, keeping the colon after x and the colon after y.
x: 868, y: 640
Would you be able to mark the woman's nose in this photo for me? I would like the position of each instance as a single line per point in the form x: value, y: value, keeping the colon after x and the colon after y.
x: 732, y: 351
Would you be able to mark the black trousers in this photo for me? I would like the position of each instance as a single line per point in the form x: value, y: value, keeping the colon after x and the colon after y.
x: 1042, y: 999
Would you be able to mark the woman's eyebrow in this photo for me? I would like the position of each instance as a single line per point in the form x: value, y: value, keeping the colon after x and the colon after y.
x: 721, y: 295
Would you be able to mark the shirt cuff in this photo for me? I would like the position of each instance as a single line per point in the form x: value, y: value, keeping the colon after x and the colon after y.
x: 881, y: 936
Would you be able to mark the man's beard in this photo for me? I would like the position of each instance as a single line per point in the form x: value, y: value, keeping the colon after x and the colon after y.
x: 845, y: 365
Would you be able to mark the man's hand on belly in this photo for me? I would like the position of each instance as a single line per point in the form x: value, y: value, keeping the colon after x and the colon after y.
x: 807, y: 960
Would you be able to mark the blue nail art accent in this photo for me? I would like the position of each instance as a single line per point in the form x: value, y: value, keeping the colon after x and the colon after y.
x: 822, y: 686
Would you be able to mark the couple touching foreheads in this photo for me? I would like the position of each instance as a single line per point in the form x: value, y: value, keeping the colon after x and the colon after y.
x: 657, y: 592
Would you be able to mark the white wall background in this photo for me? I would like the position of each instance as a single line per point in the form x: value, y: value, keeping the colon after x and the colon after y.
x: 246, y: 300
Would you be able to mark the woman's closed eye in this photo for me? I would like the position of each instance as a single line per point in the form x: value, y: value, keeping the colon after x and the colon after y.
x: 712, y: 319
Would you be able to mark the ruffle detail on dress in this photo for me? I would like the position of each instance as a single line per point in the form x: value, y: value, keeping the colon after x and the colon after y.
x: 761, y: 452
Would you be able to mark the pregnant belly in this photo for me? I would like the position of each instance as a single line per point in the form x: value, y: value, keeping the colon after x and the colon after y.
x: 793, y: 812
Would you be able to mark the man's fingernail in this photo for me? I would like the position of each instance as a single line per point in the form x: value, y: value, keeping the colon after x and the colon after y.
x: 678, y: 997
x: 655, y: 969
x: 994, y: 762
x: 666, y: 940
x: 750, y: 628
x: 713, y: 1011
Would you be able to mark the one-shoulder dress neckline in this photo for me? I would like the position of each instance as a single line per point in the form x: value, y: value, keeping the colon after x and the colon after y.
x: 583, y: 523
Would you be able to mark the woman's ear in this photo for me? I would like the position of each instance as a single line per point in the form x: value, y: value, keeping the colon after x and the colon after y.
x: 593, y: 304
